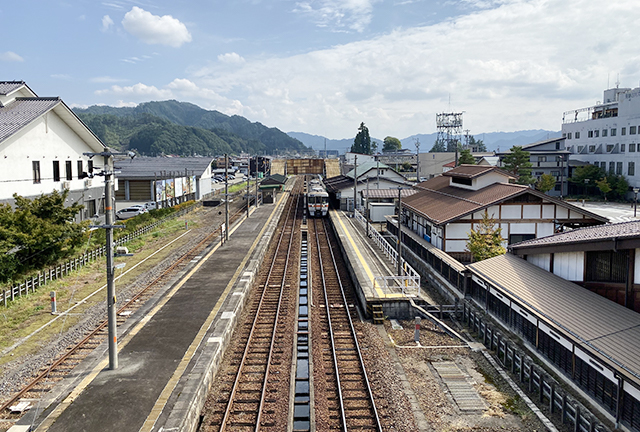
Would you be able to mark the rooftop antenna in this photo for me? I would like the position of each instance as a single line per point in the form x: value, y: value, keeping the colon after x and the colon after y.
x: 618, y: 81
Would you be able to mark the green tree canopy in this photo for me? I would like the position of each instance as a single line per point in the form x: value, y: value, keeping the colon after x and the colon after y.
x: 438, y: 147
x: 477, y: 145
x: 517, y: 163
x: 545, y: 183
x: 37, y: 233
x: 466, y: 158
x: 485, y: 241
x: 604, y: 187
x: 391, y: 144
x: 362, y: 141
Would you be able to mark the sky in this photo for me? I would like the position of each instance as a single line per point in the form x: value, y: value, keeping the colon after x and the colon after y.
x: 324, y: 66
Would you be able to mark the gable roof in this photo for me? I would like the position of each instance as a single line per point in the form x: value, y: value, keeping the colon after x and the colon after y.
x: 442, y: 203
x: 275, y: 179
x: 338, y: 183
x: 473, y: 171
x: 367, y: 166
x: 601, y: 237
x: 153, y: 167
x: 7, y: 87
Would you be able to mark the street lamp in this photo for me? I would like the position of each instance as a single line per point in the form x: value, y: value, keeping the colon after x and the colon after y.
x: 635, y: 200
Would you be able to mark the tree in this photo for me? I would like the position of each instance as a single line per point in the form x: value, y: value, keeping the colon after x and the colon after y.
x: 406, y: 166
x: 391, y: 144
x: 374, y: 147
x: 517, y: 163
x: 466, y: 158
x: 604, y: 187
x: 545, y: 183
x: 362, y: 141
x: 477, y: 145
x: 451, y: 146
x: 485, y: 241
x: 619, y: 186
x: 438, y: 147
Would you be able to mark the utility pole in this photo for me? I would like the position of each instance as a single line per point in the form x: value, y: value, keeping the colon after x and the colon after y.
x: 107, y: 172
x: 248, y: 197
x: 355, y: 182
x: 399, y: 245
x: 248, y: 177
x: 417, y: 160
x: 226, y: 197
x: 366, y: 209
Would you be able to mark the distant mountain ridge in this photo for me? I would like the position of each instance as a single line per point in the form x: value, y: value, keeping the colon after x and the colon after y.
x: 158, y: 127
x: 493, y: 140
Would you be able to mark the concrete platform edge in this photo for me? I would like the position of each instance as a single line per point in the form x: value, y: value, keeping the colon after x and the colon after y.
x: 191, y: 392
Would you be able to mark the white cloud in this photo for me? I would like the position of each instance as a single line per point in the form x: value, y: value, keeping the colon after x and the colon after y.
x: 338, y: 15
x: 10, y: 56
x: 516, y: 66
x: 107, y: 22
x: 137, y: 91
x: 231, y: 58
x: 153, y: 29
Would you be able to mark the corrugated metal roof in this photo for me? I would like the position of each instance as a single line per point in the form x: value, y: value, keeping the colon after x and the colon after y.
x: 388, y: 193
x: 623, y: 230
x: 593, y: 321
x: 21, y: 112
x: 7, y: 87
x: 473, y: 171
x: 154, y: 167
x: 363, y: 168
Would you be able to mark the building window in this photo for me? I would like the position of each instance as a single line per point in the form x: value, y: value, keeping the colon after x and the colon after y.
x: 609, y: 148
x: 597, y: 164
x: 619, y: 168
x: 35, y: 165
x: 539, y: 173
x: 612, y: 167
x: 67, y: 170
x: 542, y: 158
x: 556, y: 188
x: 632, y: 148
x: 577, y: 135
x: 517, y: 238
x: 607, y: 266
x: 632, y: 130
x: 555, y: 173
x: 623, y: 131
x: 604, y: 132
x: 603, y: 166
x: 596, y: 133
x: 631, y: 170
x: 557, y: 145
x: 622, y: 147
x: 613, y: 132
x: 590, y: 134
x: 592, y: 148
x: 90, y: 166
x: 56, y: 171
x: 569, y: 135
x: 80, y: 169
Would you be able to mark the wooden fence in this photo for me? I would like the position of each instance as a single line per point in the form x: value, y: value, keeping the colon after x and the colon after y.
x: 31, y: 284
x: 533, y: 379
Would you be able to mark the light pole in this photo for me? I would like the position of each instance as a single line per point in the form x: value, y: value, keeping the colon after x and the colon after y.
x: 399, y: 245
x: 635, y: 200
x: 586, y: 186
x: 417, y: 160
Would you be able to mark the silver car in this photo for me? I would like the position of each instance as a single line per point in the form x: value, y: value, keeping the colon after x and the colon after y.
x: 129, y: 212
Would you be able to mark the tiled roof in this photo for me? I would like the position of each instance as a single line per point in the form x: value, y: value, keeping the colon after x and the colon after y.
x: 598, y: 323
x: 21, y: 112
x: 155, y: 167
x: 623, y: 230
x: 363, y: 168
x: 388, y: 193
x: 473, y: 171
x: 7, y: 87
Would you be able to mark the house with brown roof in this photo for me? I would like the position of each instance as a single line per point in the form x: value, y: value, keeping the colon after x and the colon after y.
x: 604, y: 259
x: 42, y: 146
x: 446, y: 209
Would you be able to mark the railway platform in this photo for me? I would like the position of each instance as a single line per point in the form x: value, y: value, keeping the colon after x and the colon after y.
x: 372, y: 265
x: 168, y: 356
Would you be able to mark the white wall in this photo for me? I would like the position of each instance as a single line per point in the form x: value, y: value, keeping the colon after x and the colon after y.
x: 511, y: 212
x: 540, y: 260
x: 569, y: 266
x: 637, y: 268
x: 45, y: 140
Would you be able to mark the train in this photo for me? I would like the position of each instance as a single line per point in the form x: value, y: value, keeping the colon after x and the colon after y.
x: 316, y: 198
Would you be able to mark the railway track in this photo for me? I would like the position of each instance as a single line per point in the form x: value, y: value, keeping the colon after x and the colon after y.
x: 343, y: 397
x: 250, y: 399
x: 63, y: 365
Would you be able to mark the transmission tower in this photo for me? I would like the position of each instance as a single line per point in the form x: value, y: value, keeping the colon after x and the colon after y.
x: 449, y: 131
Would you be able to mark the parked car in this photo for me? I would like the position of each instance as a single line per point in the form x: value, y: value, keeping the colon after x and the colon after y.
x: 151, y: 205
x: 129, y: 212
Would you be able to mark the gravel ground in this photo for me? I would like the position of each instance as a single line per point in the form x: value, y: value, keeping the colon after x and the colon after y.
x: 16, y: 374
x: 505, y: 409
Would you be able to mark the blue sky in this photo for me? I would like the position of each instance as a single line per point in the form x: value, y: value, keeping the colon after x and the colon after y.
x: 324, y: 66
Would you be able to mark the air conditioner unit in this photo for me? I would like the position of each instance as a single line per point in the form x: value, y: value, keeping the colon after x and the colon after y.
x: 66, y: 185
x: 87, y: 183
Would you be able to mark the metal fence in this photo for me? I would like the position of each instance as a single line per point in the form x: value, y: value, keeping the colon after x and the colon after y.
x: 393, y: 285
x: 533, y: 379
x: 31, y: 284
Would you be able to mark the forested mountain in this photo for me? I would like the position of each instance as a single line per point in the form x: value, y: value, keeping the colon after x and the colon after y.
x: 172, y: 127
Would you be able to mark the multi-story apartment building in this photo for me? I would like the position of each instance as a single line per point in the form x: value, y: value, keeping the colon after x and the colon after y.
x: 607, y: 134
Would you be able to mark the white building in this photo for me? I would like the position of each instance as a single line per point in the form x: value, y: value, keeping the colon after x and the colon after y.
x: 607, y: 134
x: 41, y: 149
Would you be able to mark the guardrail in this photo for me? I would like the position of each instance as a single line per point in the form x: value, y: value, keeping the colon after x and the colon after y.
x: 392, y: 285
x: 389, y: 251
x: 44, y: 277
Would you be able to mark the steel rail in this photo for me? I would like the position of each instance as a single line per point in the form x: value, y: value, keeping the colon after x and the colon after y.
x: 353, y: 331
x: 225, y: 419
x: 103, y: 324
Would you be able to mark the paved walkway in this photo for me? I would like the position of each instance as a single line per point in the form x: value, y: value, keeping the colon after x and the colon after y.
x: 155, y: 353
